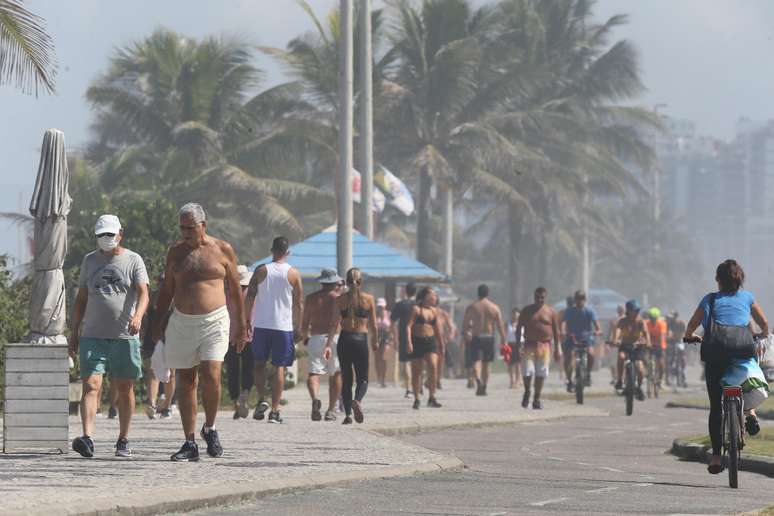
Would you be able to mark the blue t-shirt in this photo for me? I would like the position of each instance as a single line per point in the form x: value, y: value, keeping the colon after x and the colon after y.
x: 730, y: 309
x: 579, y: 322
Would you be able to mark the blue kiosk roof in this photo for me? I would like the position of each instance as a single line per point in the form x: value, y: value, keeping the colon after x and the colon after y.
x: 375, y: 260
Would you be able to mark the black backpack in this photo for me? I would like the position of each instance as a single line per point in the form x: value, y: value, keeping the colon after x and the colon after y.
x: 723, y: 343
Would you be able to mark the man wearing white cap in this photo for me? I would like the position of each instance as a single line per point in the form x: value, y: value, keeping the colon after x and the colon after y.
x: 111, y: 302
x: 239, y: 366
x: 315, y: 324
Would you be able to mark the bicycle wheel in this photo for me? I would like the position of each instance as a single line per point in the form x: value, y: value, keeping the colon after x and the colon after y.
x: 629, y: 389
x: 655, y: 381
x: 732, y: 416
x: 580, y: 379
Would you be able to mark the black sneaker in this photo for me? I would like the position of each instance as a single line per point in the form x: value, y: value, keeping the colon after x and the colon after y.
x: 537, y: 405
x: 432, y: 402
x: 618, y: 385
x: 525, y: 399
x: 316, y: 406
x: 274, y: 417
x: 640, y: 394
x: 84, y: 445
x: 483, y: 390
x: 122, y: 448
x: 751, y: 425
x: 214, y: 449
x: 479, y: 388
x: 570, y: 387
x: 260, y: 411
x: 347, y: 421
x: 416, y: 405
x: 236, y: 415
x: 189, y: 451
x: 112, y: 413
x: 166, y: 413
x: 587, y: 381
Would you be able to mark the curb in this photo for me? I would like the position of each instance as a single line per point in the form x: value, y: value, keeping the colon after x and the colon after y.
x: 762, y: 414
x: 237, y: 494
x: 419, y: 428
x: 700, y: 453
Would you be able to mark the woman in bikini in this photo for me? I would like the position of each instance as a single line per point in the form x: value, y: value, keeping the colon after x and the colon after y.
x: 356, y: 313
x: 425, y: 339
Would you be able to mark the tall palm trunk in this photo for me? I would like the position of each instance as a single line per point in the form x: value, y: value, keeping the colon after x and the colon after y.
x: 516, y: 241
x: 424, y: 212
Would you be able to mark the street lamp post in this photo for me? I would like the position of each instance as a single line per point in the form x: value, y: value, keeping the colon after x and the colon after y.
x: 366, y: 120
x: 344, y: 208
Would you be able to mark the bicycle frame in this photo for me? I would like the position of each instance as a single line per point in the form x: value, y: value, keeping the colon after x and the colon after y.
x: 733, y: 411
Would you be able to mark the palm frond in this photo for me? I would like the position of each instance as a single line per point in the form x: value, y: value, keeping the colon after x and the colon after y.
x: 26, y: 51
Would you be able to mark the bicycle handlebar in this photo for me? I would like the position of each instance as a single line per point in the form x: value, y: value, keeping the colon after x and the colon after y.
x: 692, y: 340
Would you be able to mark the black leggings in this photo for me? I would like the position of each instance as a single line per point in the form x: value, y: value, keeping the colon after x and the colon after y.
x: 353, y: 352
x: 713, y: 371
x: 234, y: 368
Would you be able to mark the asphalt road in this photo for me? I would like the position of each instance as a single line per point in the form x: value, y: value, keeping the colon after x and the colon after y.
x: 602, y: 465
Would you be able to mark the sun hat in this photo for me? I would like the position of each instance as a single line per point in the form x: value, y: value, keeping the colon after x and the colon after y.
x: 328, y: 276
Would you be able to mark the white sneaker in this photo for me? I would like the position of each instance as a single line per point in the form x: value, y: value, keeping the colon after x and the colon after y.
x: 150, y: 411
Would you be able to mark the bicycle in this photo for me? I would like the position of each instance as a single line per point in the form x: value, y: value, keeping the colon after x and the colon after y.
x: 652, y: 380
x: 581, y: 369
x: 733, y: 428
x: 675, y: 373
x: 630, y: 375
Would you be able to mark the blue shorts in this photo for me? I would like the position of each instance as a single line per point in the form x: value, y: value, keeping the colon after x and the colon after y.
x: 279, y: 344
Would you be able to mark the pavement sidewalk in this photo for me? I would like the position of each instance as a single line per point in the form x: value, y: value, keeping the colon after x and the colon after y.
x: 259, y: 459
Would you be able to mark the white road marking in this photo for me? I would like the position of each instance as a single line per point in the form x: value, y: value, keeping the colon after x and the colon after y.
x: 557, y: 459
x: 644, y: 484
x: 614, y: 470
x: 603, y: 489
x: 546, y: 502
x: 682, y: 423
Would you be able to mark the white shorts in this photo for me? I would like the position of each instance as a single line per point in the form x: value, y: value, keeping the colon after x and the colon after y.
x: 191, y: 339
x: 317, y: 362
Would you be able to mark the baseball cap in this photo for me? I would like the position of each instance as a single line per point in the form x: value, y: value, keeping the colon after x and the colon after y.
x: 381, y: 302
x: 107, y: 224
x: 328, y: 276
x: 244, y: 275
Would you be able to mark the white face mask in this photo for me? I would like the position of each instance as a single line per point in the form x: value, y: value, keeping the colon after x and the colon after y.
x: 107, y: 243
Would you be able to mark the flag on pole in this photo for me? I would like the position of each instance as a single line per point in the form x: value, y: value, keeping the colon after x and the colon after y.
x: 395, y: 190
x: 378, y: 199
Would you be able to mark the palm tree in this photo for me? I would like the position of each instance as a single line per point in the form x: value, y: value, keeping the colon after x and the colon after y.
x: 175, y: 116
x: 438, y: 123
x: 26, y: 51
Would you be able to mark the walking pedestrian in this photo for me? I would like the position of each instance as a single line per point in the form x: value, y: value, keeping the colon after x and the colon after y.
x: 109, y: 307
x: 514, y: 362
x: 383, y: 325
x: 318, y: 309
x: 539, y: 324
x: 399, y: 317
x: 197, y: 333
x: 239, y: 365
x: 355, y: 312
x: 277, y: 297
x: 482, y: 319
x: 425, y: 339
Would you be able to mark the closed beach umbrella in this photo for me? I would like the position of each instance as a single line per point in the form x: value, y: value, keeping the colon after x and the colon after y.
x: 49, y: 206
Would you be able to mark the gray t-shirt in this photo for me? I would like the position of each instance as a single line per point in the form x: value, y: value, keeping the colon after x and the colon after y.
x: 111, y: 282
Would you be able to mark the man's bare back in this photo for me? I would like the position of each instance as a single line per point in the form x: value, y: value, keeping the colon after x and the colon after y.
x: 483, y: 318
x: 199, y: 273
x: 539, y: 323
x: 318, y: 309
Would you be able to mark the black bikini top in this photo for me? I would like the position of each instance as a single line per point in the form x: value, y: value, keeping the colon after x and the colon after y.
x: 420, y: 319
x: 360, y: 313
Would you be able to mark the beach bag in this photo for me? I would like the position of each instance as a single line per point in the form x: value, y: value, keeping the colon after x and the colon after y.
x: 724, y: 343
x: 159, y: 363
x: 748, y: 374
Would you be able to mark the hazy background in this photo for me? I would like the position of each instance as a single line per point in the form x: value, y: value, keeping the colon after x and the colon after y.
x: 708, y: 60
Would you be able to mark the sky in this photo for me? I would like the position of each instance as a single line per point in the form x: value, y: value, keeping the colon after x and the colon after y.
x: 708, y: 61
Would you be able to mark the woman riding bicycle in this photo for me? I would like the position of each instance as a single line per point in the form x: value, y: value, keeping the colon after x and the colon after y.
x: 633, y: 337
x: 730, y: 306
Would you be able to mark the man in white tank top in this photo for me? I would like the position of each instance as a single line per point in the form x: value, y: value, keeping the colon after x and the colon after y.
x: 276, y: 296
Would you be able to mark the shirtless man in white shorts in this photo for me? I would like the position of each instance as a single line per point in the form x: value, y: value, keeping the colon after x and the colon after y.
x: 316, y: 322
x: 197, y: 334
